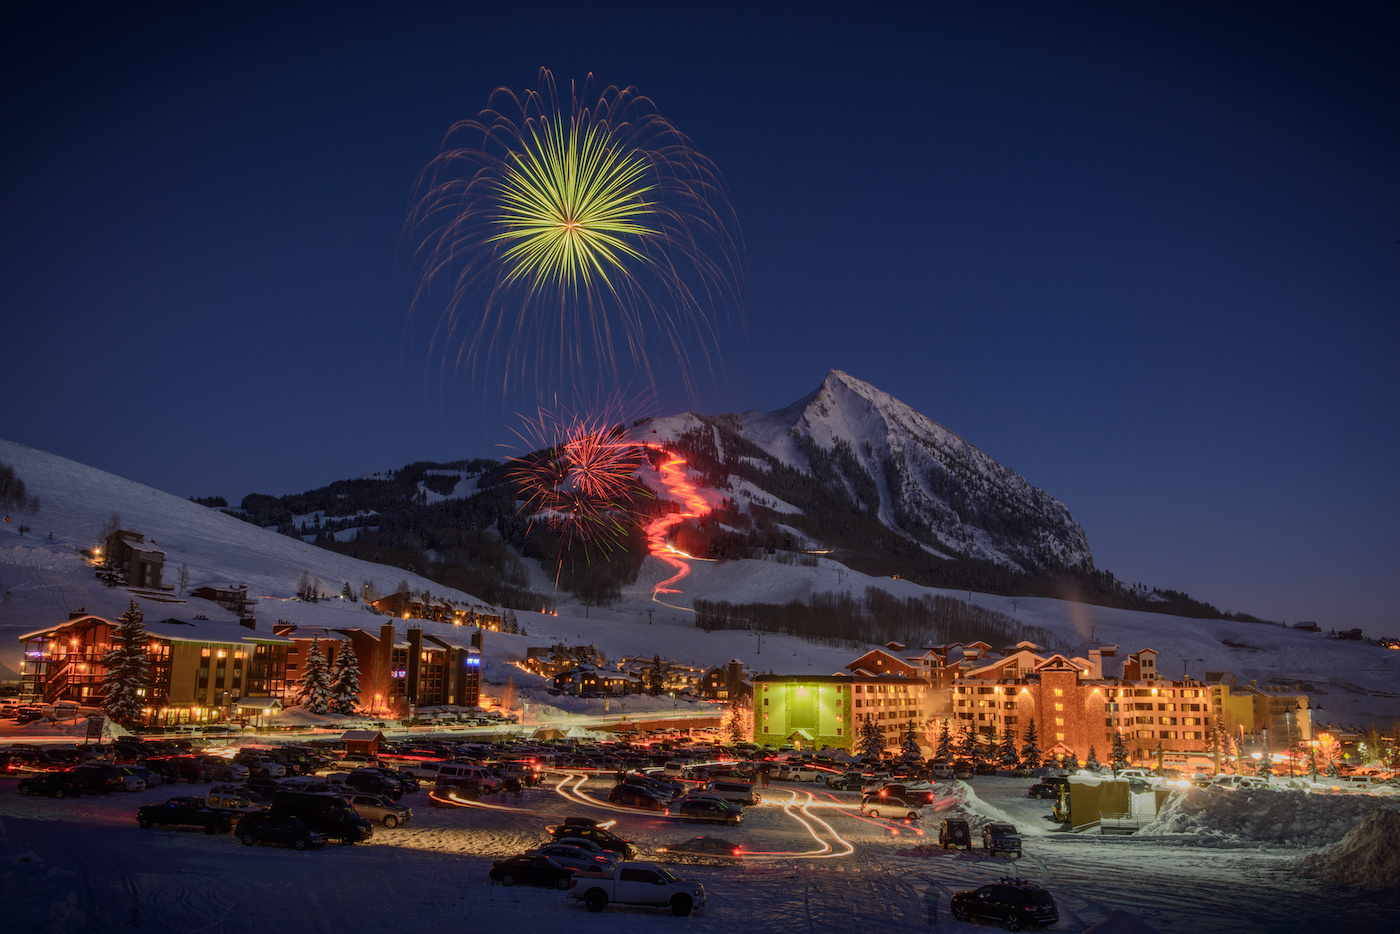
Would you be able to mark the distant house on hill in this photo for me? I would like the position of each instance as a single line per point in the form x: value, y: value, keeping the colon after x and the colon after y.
x: 1308, y: 626
x: 234, y: 597
x: 139, y: 562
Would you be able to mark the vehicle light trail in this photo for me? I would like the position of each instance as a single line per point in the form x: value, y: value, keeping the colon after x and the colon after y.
x: 806, y: 818
x: 693, y: 507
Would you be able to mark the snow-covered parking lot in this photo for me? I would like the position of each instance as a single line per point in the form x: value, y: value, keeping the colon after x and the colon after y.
x: 814, y: 865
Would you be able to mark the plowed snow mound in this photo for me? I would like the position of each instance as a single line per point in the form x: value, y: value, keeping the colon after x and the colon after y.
x: 1368, y: 857
x: 1279, y: 818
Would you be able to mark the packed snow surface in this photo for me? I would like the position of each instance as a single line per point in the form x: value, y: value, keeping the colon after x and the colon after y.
x: 1368, y: 857
x: 1274, y: 817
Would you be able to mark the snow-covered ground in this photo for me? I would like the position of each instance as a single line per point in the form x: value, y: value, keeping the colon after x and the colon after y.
x: 814, y: 865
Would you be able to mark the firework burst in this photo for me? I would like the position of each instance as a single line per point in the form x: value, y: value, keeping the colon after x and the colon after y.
x: 560, y: 234
x: 581, y: 478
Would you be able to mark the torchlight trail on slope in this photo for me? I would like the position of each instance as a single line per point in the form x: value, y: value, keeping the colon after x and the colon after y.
x: 673, y: 476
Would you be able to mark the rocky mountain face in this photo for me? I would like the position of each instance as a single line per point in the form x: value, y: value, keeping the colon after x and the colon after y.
x: 916, y: 478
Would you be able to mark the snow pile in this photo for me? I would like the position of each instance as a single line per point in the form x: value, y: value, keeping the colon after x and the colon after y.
x: 1278, y: 818
x: 1368, y: 857
x: 1121, y: 922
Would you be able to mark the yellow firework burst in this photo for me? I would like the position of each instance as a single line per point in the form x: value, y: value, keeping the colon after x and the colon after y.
x: 563, y: 241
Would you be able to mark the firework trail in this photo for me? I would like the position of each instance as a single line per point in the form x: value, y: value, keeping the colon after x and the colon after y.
x: 559, y: 233
x: 693, y: 507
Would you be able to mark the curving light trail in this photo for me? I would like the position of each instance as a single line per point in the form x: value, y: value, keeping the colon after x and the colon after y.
x: 694, y: 506
x: 825, y: 849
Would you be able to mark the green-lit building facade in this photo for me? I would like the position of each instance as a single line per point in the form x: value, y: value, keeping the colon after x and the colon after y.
x: 813, y: 711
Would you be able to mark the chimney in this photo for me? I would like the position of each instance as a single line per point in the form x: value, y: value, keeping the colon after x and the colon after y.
x: 250, y: 622
x: 415, y: 662
x: 79, y: 613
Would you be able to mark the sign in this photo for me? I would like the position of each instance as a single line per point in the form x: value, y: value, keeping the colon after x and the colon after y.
x: 96, y: 724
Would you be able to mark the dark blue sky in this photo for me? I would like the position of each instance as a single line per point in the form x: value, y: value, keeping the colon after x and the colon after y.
x: 1146, y: 257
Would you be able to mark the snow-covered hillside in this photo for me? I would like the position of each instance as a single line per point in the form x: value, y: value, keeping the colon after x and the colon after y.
x: 43, y: 578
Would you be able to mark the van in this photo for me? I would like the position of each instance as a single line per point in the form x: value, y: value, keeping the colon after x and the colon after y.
x: 736, y: 792
x: 329, y: 814
x: 461, y: 775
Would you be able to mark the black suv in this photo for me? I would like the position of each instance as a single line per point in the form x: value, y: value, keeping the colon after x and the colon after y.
x: 1001, y: 837
x: 1010, y: 901
x: 53, y: 784
x: 271, y: 827
x: 954, y: 832
x: 586, y: 829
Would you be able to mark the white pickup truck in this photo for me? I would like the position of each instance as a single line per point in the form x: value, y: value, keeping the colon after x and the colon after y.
x: 631, y: 883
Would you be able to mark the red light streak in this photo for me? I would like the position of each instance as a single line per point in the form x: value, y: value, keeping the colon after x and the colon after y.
x: 694, y: 506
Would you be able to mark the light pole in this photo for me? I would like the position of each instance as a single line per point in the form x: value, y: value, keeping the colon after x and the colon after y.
x: 1288, y: 722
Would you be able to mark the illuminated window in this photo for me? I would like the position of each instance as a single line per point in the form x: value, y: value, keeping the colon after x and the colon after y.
x: 1059, y: 692
x: 1060, y: 721
x: 1059, y: 737
x: 1059, y: 706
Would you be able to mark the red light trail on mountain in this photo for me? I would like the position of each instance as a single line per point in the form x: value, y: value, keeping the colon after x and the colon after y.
x: 693, y: 507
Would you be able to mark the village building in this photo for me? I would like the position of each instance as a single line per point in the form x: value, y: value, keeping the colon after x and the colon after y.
x: 201, y: 671
x: 140, y: 562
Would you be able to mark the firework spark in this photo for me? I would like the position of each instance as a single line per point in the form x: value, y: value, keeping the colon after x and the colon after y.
x: 557, y: 234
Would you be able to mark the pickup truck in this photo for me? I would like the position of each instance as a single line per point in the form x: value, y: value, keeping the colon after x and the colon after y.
x: 185, y: 811
x: 631, y: 883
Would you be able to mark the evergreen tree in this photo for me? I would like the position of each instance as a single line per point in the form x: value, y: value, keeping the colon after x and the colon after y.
x: 127, y: 667
x: 1332, y: 770
x: 1010, y: 759
x: 1265, y: 768
x: 347, y: 593
x: 345, y: 682
x: 968, y: 746
x: 944, y: 752
x: 1092, y: 763
x: 1118, y: 758
x: 315, y: 694
x: 736, y: 722
x: 872, y: 738
x: 909, y: 751
x: 1030, y: 751
x: 1312, y: 763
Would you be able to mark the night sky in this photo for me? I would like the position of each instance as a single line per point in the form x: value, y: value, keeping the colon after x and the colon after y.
x: 1145, y: 255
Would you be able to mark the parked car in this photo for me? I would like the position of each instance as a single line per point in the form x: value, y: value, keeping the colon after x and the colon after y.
x: 99, y: 778
x: 713, y: 810
x: 954, y: 832
x: 53, y: 784
x: 282, y: 829
x: 963, y: 770
x: 379, y: 808
x: 734, y: 792
x: 531, y: 870
x: 1014, y: 903
x: 631, y: 796
x: 846, y: 781
x: 941, y: 770
x: 375, y: 783
x: 328, y: 814
x: 1043, y: 790
x: 637, y: 884
x: 185, y: 811
x: 701, y: 851
x: 585, y: 828
x: 1001, y: 837
x: 890, y: 806
x: 576, y: 857
x: 1021, y: 771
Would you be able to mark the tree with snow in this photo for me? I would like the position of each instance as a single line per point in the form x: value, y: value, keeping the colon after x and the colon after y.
x: 909, y: 751
x: 737, y: 722
x: 872, y: 738
x: 1091, y: 764
x: 345, y: 681
x: 1030, y: 750
x: 1312, y: 764
x: 1332, y: 770
x: 315, y: 693
x: 1265, y: 768
x: 1118, y: 757
x: 968, y: 747
x: 128, y: 668
x: 944, y: 752
x: 1010, y: 759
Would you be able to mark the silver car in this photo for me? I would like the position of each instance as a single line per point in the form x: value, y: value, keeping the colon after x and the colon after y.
x: 378, y: 808
x: 576, y: 857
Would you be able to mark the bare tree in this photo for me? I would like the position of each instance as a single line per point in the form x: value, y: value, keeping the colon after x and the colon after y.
x: 183, y: 576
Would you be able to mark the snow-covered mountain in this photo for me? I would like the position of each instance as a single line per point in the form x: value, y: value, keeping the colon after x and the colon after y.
x: 898, y: 466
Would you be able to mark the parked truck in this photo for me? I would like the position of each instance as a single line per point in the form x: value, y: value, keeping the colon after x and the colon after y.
x: 633, y: 883
x: 185, y: 811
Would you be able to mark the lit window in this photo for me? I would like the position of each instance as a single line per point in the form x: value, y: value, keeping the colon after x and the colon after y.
x: 1059, y: 737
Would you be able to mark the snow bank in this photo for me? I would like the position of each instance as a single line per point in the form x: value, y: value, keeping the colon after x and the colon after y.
x: 1368, y: 857
x: 1278, y: 818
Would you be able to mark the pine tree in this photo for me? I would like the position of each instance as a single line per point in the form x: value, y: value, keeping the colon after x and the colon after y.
x: 1030, y: 750
x: 872, y: 738
x: 1312, y: 763
x: 968, y: 746
x: 1010, y: 759
x: 1265, y: 768
x: 1118, y: 758
x: 1092, y: 763
x: 1332, y: 770
x: 909, y: 751
x: 345, y: 682
x: 127, y: 667
x: 944, y: 752
x: 315, y: 682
